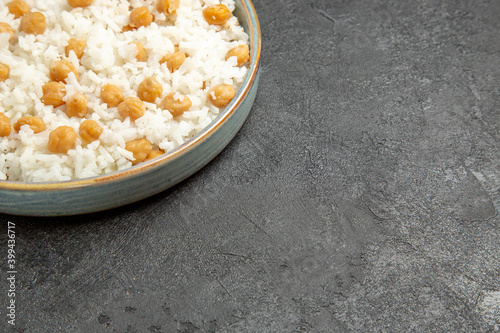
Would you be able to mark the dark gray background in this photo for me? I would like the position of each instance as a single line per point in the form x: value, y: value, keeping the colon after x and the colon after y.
x: 361, y: 195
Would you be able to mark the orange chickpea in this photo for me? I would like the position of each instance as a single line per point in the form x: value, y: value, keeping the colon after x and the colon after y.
x: 221, y: 95
x: 62, y: 139
x: 35, y: 123
x: 173, y: 60
x: 132, y: 107
x: 149, y: 90
x: 176, y: 106
x: 76, y: 45
x: 60, y: 69
x: 140, y: 17
x: 4, y: 72
x: 53, y: 93
x: 241, y: 52
x: 4, y: 125
x: 154, y: 154
x: 167, y: 6
x: 217, y: 14
x: 141, y: 52
x: 80, y: 3
x: 140, y: 148
x: 33, y: 23
x: 18, y: 8
x: 111, y: 95
x: 90, y: 130
x: 76, y: 105
x: 6, y: 28
x: 126, y: 28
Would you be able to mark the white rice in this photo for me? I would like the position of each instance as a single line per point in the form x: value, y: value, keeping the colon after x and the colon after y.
x: 109, y: 59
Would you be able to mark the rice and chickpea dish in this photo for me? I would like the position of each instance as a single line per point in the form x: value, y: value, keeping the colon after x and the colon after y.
x: 89, y: 87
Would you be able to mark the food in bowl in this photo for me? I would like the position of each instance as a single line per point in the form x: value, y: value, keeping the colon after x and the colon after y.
x: 93, y: 87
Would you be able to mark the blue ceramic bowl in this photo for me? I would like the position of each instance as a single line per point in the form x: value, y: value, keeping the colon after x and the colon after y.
x: 146, y: 179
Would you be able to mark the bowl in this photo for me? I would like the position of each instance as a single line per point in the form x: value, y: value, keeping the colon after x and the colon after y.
x: 149, y: 178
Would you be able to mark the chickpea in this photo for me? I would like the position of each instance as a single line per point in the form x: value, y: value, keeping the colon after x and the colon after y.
x: 76, y: 105
x: 6, y: 28
x: 154, y: 154
x: 140, y: 148
x: 217, y: 14
x: 149, y: 90
x: 176, y: 104
x: 167, y: 6
x: 221, y: 95
x: 126, y: 28
x: 241, y: 52
x: 35, y: 123
x: 132, y: 107
x: 174, y: 60
x: 90, y: 130
x: 141, y: 52
x: 33, y: 23
x: 4, y: 125
x: 111, y: 95
x: 4, y: 72
x: 80, y: 3
x: 62, y: 139
x: 53, y: 93
x: 60, y: 69
x: 18, y: 8
x: 140, y: 17
x: 76, y: 45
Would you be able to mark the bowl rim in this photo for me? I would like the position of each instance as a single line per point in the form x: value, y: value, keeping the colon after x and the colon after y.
x: 248, y: 10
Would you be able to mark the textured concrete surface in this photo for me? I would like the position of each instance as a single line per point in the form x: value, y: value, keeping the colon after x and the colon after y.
x: 361, y: 195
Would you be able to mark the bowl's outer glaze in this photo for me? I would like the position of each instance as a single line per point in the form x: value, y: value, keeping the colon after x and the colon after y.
x: 146, y: 179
